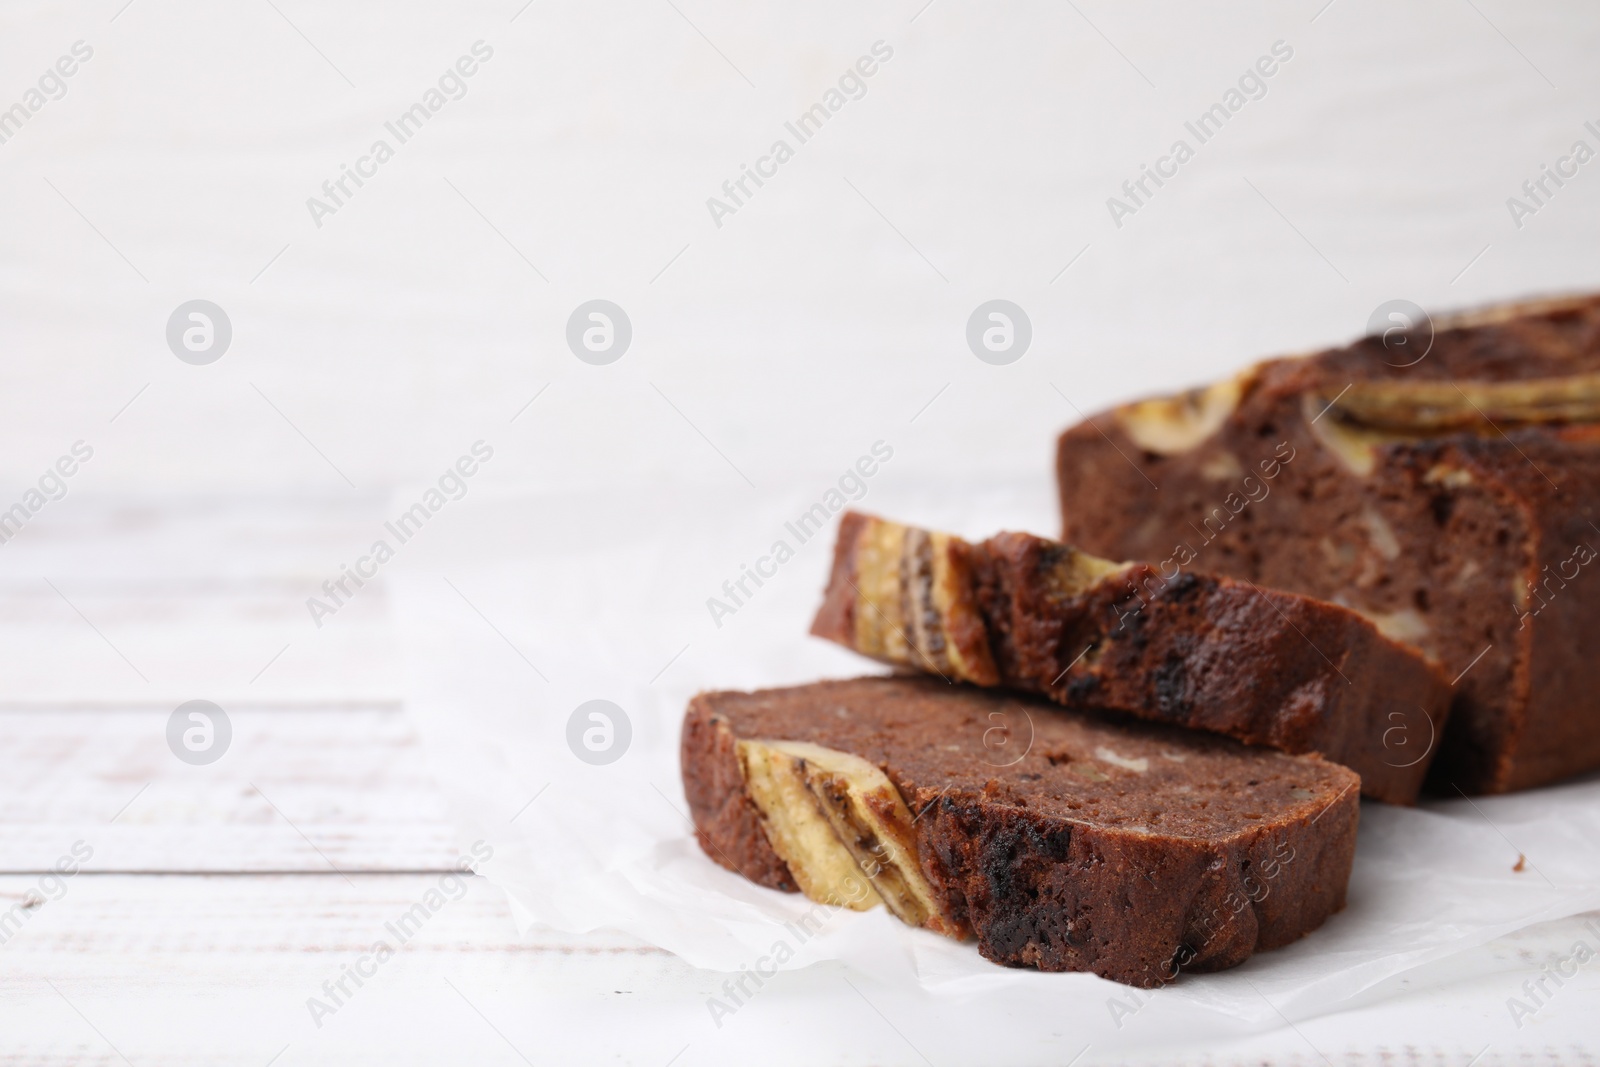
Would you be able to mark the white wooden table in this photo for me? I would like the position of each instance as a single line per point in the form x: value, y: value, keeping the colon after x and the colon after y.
x: 218, y: 899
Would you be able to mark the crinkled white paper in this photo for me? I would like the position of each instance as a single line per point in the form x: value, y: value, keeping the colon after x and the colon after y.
x: 515, y: 609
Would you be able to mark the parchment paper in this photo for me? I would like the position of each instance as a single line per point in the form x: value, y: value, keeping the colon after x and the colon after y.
x: 517, y: 608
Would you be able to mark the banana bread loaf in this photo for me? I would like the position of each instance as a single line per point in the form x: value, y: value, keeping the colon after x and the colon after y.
x: 1450, y: 493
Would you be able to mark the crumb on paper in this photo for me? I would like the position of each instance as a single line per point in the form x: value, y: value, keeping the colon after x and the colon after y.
x: 1522, y: 863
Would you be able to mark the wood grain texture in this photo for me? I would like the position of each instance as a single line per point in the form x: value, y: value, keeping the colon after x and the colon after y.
x: 219, y: 970
x: 319, y: 790
x: 124, y: 600
x: 212, y: 969
x: 210, y: 955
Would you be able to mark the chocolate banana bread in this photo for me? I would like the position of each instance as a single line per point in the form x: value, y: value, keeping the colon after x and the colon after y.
x: 1450, y: 493
x: 1261, y: 666
x: 1062, y: 840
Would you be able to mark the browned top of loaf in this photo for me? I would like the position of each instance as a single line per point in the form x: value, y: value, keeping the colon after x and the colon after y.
x: 934, y: 738
x: 1507, y: 342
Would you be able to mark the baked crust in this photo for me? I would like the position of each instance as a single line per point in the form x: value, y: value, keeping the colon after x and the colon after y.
x: 1128, y: 849
x: 1257, y: 665
x: 1454, y: 500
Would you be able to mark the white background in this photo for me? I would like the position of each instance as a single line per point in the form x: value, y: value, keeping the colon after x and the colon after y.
x: 767, y: 355
x: 805, y: 327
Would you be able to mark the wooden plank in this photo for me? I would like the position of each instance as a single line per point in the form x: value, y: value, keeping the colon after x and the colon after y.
x: 120, y: 609
x: 136, y: 601
x: 146, y: 606
x: 299, y: 789
x: 219, y: 970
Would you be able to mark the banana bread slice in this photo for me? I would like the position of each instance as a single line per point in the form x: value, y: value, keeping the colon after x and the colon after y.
x: 1447, y: 487
x: 1261, y: 666
x: 1062, y: 840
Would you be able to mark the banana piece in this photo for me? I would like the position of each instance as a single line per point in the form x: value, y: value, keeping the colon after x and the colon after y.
x: 1356, y: 447
x: 1169, y: 425
x: 842, y: 828
x: 1428, y: 407
x: 916, y: 599
x: 800, y: 833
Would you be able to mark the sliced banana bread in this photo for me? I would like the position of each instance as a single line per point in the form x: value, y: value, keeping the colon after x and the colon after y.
x: 1261, y: 666
x: 1061, y: 840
